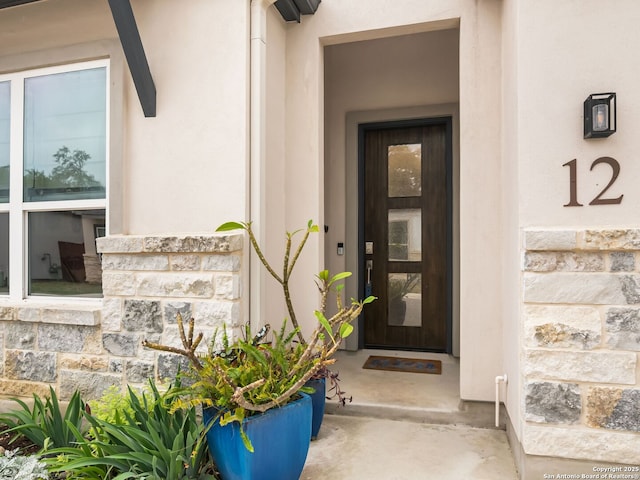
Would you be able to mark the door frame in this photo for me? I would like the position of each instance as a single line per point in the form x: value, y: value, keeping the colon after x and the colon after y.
x: 447, y: 121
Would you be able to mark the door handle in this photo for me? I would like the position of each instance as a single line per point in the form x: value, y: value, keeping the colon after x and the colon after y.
x: 368, y: 287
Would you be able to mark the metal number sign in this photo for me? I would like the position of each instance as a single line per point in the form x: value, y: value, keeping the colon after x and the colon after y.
x: 598, y: 200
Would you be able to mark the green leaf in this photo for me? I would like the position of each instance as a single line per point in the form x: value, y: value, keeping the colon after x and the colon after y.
x: 324, y: 322
x: 225, y: 227
x: 369, y: 299
x: 126, y: 476
x: 345, y: 330
x: 339, y: 276
x: 237, y: 416
x: 246, y: 440
x: 323, y: 275
x: 254, y: 352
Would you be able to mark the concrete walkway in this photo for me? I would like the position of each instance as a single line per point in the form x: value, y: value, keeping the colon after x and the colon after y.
x: 404, y: 426
x: 357, y: 448
x: 407, y: 426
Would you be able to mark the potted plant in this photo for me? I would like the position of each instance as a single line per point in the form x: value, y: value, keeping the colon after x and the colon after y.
x: 399, y: 286
x: 326, y: 284
x: 252, y: 386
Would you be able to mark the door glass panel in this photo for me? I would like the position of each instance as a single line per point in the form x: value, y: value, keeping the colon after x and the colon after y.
x: 4, y: 253
x: 62, y: 253
x: 65, y: 136
x: 405, y: 299
x: 404, y: 163
x: 4, y: 141
x: 405, y: 238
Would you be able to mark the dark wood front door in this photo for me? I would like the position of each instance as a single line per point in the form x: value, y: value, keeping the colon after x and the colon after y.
x: 406, y: 242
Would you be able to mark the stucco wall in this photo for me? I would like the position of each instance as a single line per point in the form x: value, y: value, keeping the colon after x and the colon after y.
x: 272, y: 203
x: 187, y: 167
x: 341, y: 21
x: 578, y: 50
x: 481, y: 210
x: 561, y: 62
x: 510, y: 188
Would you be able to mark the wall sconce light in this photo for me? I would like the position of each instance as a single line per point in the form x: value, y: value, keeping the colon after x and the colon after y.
x: 599, y: 115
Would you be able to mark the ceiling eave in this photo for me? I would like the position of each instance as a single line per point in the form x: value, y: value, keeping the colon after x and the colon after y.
x: 133, y: 50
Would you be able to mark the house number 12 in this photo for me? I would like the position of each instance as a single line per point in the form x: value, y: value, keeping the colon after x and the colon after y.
x: 598, y: 200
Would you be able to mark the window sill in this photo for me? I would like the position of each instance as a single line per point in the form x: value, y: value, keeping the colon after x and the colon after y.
x: 52, y: 312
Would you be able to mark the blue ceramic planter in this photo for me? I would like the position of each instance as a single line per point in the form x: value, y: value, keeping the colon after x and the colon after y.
x: 280, y: 439
x: 318, y: 399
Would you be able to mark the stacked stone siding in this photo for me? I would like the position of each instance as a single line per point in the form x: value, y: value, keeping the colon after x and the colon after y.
x: 147, y: 281
x: 581, y: 328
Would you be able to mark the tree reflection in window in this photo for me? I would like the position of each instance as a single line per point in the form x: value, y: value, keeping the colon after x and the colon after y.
x: 405, y: 170
x: 68, y: 179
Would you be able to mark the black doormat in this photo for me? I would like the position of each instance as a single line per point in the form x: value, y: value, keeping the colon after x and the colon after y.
x: 400, y: 364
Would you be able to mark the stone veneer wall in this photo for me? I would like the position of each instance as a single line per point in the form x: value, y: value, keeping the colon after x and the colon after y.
x: 146, y: 281
x: 581, y: 326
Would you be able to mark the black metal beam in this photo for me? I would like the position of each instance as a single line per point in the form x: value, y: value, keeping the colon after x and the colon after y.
x: 288, y: 10
x: 134, y: 52
x: 307, y: 7
x: 13, y: 3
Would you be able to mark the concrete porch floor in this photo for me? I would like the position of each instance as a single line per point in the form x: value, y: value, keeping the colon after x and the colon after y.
x: 406, y: 426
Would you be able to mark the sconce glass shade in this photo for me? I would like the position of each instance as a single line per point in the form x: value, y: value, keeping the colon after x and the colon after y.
x: 600, y: 120
x: 599, y: 115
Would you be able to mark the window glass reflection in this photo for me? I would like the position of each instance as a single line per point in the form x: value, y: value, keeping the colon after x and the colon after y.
x: 64, y: 136
x: 405, y: 299
x: 405, y: 238
x: 405, y: 170
x: 5, y: 94
x: 63, y: 258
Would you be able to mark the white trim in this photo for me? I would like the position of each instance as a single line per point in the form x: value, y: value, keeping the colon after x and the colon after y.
x: 16, y: 224
x: 63, y: 68
x: 64, y: 205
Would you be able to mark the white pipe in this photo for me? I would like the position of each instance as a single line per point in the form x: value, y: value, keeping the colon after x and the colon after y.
x: 499, y: 378
x: 257, y: 148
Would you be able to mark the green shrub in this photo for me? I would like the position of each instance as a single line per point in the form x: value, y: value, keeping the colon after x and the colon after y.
x: 45, y: 424
x: 112, y: 405
x: 147, y: 442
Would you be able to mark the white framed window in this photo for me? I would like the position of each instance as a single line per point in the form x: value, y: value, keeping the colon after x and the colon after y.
x: 54, y: 151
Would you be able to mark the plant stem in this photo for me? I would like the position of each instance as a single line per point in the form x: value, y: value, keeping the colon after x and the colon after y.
x: 261, y: 256
x: 238, y: 396
x: 284, y: 281
x: 189, y: 344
